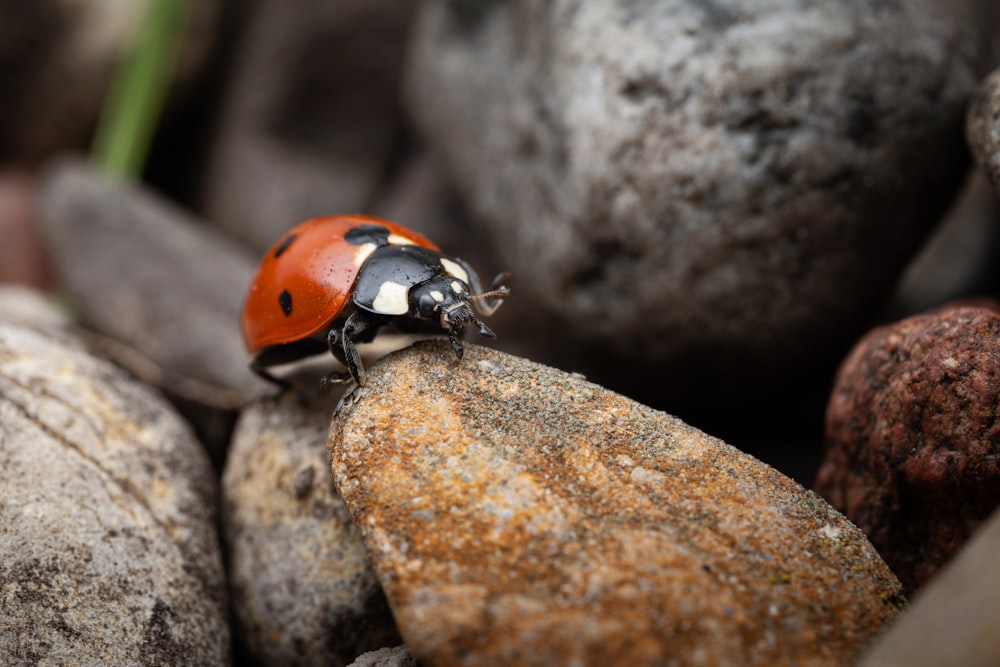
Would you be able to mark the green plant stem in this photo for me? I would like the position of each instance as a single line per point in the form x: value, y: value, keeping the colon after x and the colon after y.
x: 138, y: 91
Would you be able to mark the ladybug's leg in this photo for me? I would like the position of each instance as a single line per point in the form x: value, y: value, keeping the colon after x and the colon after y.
x: 265, y: 375
x: 455, y: 336
x: 354, y: 327
x: 334, y: 342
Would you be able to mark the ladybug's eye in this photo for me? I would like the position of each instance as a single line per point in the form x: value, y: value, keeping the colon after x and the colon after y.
x: 430, y: 298
x: 428, y: 302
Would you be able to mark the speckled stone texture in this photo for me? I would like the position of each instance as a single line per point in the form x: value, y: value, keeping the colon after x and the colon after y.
x: 983, y: 127
x: 517, y: 514
x: 304, y: 592
x: 913, y: 436
x: 731, y: 183
x: 397, y: 656
x: 108, y: 549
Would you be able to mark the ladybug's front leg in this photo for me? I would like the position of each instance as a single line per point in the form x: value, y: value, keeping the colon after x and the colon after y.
x: 356, y: 324
x: 336, y: 346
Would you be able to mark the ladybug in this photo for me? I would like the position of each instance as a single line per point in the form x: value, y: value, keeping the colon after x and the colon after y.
x: 331, y: 282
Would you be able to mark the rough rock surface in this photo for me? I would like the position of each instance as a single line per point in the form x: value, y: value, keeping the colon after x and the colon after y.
x: 734, y: 182
x: 983, y: 127
x: 913, y: 433
x: 397, y: 656
x: 108, y: 550
x: 303, y: 589
x: 954, y: 620
x: 517, y: 514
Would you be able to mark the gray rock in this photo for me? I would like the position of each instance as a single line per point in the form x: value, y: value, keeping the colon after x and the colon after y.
x: 954, y: 620
x: 736, y: 183
x: 163, y: 288
x: 30, y: 308
x: 397, y: 656
x: 516, y: 514
x: 303, y: 589
x: 311, y: 115
x: 983, y: 127
x: 108, y: 550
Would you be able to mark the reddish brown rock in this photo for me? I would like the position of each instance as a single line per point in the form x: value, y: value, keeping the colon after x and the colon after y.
x: 516, y: 514
x: 913, y: 433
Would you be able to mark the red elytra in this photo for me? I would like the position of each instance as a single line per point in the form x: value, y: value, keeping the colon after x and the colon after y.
x: 316, y: 266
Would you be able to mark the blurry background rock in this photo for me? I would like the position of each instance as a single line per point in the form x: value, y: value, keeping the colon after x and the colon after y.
x: 913, y: 432
x: 311, y: 119
x: 960, y: 259
x: 161, y: 289
x: 983, y: 127
x: 719, y: 195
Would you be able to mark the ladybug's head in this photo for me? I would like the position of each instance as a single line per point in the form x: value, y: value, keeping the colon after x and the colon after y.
x: 449, y: 299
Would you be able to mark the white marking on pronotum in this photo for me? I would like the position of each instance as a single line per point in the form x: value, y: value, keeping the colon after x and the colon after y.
x: 391, y: 299
x: 362, y: 254
x: 396, y: 239
x: 455, y: 269
x: 437, y: 296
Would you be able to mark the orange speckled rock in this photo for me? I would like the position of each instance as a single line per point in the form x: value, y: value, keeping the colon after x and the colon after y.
x: 517, y: 514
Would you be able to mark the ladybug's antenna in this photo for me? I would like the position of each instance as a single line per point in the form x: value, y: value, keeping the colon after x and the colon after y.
x: 501, y: 292
x: 498, y: 292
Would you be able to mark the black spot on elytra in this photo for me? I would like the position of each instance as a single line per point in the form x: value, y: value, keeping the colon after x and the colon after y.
x: 285, y: 301
x: 370, y: 233
x: 280, y: 250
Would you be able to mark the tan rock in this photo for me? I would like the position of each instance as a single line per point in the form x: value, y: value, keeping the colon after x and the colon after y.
x: 303, y: 589
x: 520, y: 515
